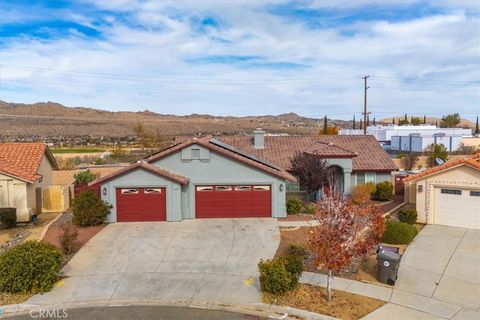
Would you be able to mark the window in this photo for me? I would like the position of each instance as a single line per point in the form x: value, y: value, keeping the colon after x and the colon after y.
x: 205, y: 188
x: 224, y: 188
x: 360, y: 178
x: 261, y: 188
x: 370, y: 177
x: 475, y: 193
x: 243, y: 188
x: 195, y: 153
x: 129, y: 191
x: 148, y: 191
x: 451, y: 191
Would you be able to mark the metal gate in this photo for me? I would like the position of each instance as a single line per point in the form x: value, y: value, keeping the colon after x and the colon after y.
x: 53, y: 199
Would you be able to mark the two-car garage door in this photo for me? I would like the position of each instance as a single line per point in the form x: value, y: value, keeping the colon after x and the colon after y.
x: 457, y: 207
x: 233, y: 201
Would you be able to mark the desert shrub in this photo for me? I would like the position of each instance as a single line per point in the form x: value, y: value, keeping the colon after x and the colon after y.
x: 68, y: 239
x: 8, y: 218
x: 294, y: 205
x: 309, y: 208
x: 29, y: 267
x: 297, y: 249
x: 360, y: 194
x: 408, y: 215
x: 89, y: 210
x: 384, y: 191
x: 399, y: 233
x: 372, y: 187
x: 294, y: 265
x: 274, y: 276
x: 84, y: 177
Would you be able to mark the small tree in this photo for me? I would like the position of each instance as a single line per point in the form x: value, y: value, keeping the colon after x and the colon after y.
x: 89, y: 210
x: 435, y: 151
x: 84, y: 177
x: 325, y: 126
x: 355, y: 121
x: 310, y: 170
x: 415, y: 121
x: 345, y: 234
x: 477, y: 128
x: 450, y: 120
x: 410, y: 159
x: 424, y: 119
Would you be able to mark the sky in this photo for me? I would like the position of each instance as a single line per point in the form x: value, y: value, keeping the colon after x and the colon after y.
x: 244, y: 57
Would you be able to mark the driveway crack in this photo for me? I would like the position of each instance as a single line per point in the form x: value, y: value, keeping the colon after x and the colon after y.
x: 166, y: 249
x: 233, y: 239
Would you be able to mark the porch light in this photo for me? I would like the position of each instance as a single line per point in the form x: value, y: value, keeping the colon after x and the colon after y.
x: 281, y: 187
x: 104, y: 191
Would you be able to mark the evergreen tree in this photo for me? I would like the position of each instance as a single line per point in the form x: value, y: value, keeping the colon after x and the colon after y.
x: 361, y: 124
x: 353, y: 122
x: 374, y: 121
x: 368, y: 120
x: 406, y: 120
x: 325, y: 126
x: 477, y: 129
x: 424, y: 119
x: 393, y: 120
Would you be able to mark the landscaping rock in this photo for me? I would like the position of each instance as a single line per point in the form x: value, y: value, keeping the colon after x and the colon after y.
x: 16, y: 240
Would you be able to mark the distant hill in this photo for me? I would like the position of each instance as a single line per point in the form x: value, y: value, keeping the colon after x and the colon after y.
x: 50, y: 119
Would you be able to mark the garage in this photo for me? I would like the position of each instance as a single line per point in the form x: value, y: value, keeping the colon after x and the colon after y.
x: 141, y: 204
x: 457, y: 207
x: 233, y: 201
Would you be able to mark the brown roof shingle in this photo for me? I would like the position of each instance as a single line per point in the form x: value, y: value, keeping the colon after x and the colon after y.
x: 22, y: 160
x: 366, y: 153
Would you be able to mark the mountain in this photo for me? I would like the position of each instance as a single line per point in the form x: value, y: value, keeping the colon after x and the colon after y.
x: 50, y: 119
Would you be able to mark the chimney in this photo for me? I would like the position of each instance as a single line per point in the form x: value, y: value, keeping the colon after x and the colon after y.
x: 259, y: 139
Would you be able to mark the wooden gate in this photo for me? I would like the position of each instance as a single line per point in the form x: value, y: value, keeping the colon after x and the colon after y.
x: 53, y: 199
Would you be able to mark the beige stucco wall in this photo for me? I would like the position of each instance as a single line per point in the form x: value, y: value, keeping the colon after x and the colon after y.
x: 471, y: 142
x: 14, y: 194
x: 458, y: 177
x: 45, y: 170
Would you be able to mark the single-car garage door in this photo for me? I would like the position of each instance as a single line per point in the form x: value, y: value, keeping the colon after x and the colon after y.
x: 141, y: 204
x: 457, y: 207
x: 233, y: 201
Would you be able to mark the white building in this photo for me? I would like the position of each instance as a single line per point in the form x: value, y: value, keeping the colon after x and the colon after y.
x: 414, y: 138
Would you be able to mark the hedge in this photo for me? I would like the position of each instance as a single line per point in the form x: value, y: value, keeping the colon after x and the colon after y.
x: 89, y: 210
x: 408, y: 215
x: 398, y: 232
x: 294, y: 205
x: 384, y: 191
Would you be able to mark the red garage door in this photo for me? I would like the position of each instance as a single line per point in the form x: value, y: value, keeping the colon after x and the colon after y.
x: 141, y: 204
x: 230, y: 201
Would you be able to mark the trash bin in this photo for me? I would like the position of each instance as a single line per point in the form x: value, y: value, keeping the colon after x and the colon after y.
x: 387, y: 266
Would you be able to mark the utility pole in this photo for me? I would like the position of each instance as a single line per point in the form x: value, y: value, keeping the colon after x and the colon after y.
x: 365, y: 113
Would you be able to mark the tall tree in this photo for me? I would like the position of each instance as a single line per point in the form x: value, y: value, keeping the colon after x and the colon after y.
x: 424, y: 119
x: 346, y: 233
x: 393, y: 120
x: 325, y: 126
x: 450, y: 120
x: 373, y: 120
x: 477, y: 128
x: 354, y: 122
x: 368, y: 120
x: 406, y: 120
x: 361, y: 124
x: 150, y: 140
x: 310, y: 170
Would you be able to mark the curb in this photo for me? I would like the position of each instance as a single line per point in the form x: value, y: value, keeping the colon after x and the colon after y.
x: 45, y: 230
x: 389, y: 212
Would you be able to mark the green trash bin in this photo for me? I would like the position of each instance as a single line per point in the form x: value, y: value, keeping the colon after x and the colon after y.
x: 387, y: 266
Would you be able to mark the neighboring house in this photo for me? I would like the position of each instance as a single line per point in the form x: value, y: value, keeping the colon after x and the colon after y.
x: 233, y: 176
x: 448, y: 194
x: 24, y: 169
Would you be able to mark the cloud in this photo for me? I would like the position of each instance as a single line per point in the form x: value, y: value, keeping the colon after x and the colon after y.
x: 246, y: 57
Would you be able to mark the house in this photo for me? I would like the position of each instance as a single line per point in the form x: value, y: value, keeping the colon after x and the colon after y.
x: 24, y: 169
x: 232, y: 176
x: 448, y: 194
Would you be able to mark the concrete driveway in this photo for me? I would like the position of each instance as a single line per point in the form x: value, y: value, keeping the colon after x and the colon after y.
x: 207, y: 260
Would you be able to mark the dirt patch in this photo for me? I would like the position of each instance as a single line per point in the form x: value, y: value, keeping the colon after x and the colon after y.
x: 34, y: 229
x: 298, y: 217
x: 344, y: 305
x: 84, y: 234
x: 13, y: 298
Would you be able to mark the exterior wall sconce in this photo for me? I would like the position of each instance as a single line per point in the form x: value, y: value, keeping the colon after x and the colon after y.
x: 104, y: 191
x: 420, y: 188
x: 281, y: 187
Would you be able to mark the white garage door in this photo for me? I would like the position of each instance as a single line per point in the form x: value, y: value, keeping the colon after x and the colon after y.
x: 457, y: 207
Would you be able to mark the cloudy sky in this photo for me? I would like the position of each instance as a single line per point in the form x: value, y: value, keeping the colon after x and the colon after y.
x: 245, y: 57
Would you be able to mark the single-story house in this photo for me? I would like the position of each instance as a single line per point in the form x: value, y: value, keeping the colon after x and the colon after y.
x: 232, y: 176
x: 24, y: 169
x: 448, y: 194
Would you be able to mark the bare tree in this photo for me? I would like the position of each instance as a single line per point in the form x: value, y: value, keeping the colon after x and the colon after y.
x: 311, y: 171
x: 150, y: 140
x: 410, y: 159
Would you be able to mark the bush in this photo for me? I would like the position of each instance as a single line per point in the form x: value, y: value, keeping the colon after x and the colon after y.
x: 309, y: 208
x: 408, y: 216
x: 8, y: 218
x: 399, y: 233
x: 360, y: 194
x: 84, y: 177
x: 274, y: 276
x: 68, y: 239
x: 294, y: 265
x: 89, y: 210
x: 294, y: 205
x: 384, y: 191
x: 29, y: 267
x: 298, y: 250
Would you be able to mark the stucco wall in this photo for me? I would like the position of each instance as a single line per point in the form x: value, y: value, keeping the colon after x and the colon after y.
x: 45, y: 169
x: 214, y: 168
x: 458, y: 177
x: 14, y: 194
x: 143, y: 178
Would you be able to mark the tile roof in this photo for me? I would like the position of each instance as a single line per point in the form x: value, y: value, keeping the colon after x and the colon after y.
x: 473, y: 161
x: 143, y: 165
x: 21, y: 160
x: 329, y: 150
x: 243, y: 157
x: 369, y: 154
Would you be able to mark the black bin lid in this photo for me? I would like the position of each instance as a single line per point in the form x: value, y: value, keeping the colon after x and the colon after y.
x: 389, y: 256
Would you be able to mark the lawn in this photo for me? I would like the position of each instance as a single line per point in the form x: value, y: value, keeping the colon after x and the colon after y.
x: 344, y: 305
x: 76, y: 150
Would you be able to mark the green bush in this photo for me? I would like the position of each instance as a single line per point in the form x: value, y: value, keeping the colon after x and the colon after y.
x: 309, y: 208
x: 408, y: 215
x: 384, y: 191
x: 294, y: 265
x: 89, y: 210
x: 298, y: 250
x: 274, y: 276
x: 399, y: 233
x: 294, y: 205
x: 29, y: 267
x: 8, y: 218
x: 84, y: 177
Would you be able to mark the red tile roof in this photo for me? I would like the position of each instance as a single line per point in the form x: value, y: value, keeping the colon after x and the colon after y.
x: 473, y: 161
x: 143, y: 165
x: 244, y: 158
x: 369, y: 154
x: 21, y: 160
x: 329, y: 150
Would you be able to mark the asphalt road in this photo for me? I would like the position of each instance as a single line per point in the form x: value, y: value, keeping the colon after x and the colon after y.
x: 137, y: 313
